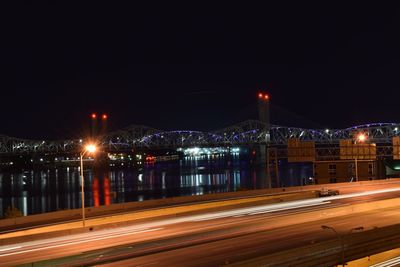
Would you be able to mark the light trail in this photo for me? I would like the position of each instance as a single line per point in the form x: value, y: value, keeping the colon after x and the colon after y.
x: 260, y: 211
x: 286, y: 205
x: 10, y: 248
x: 77, y: 242
x: 141, y: 228
x: 289, y: 208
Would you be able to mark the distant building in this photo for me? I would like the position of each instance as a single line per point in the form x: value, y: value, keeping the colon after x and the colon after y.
x: 345, y: 171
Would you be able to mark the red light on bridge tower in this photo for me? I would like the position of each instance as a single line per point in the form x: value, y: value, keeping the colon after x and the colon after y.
x: 263, y: 96
x: 104, y: 121
x: 93, y: 129
x: 263, y: 108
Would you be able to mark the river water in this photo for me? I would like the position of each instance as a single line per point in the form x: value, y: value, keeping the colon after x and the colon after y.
x: 39, y: 191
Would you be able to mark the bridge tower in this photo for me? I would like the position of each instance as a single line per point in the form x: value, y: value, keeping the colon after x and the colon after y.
x: 104, y: 123
x: 95, y: 129
x: 94, y: 126
x: 263, y: 113
x: 263, y: 150
x: 263, y: 109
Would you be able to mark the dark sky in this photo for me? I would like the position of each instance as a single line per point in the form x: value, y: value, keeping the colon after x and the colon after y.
x: 196, y: 67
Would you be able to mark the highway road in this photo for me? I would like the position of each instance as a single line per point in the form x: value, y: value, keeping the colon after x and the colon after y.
x: 345, y: 188
x: 213, y: 238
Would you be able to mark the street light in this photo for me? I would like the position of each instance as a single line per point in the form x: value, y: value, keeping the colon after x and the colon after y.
x: 361, y: 138
x: 341, y: 238
x: 91, y: 148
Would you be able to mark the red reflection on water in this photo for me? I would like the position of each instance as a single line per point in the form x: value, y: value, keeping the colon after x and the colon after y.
x: 106, y: 187
x: 96, y: 193
x: 254, y: 178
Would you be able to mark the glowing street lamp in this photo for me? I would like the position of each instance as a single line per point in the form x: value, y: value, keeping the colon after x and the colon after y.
x: 91, y: 148
x: 361, y: 138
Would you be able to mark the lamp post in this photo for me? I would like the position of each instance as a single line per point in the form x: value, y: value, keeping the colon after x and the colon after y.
x: 88, y: 149
x: 361, y: 138
x: 341, y: 238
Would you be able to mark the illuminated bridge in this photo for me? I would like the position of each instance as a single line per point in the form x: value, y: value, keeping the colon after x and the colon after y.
x: 251, y: 132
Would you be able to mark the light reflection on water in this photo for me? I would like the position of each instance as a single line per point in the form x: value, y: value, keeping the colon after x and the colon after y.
x: 41, y: 191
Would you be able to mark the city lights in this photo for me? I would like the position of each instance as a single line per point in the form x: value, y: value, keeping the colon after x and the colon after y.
x: 200, y: 135
x: 208, y: 151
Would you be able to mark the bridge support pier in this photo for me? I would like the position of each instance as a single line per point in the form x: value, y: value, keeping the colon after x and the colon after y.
x: 272, y: 166
x: 262, y: 155
x: 267, y: 158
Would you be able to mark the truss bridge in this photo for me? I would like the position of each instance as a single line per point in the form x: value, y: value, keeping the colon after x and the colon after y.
x: 247, y: 133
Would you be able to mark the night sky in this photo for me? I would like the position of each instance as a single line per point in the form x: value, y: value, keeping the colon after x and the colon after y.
x: 195, y: 66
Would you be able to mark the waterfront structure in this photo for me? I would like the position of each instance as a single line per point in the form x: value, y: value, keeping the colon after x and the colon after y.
x: 335, y: 154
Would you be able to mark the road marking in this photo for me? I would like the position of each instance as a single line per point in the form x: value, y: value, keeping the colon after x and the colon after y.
x: 388, y: 263
x: 79, y: 242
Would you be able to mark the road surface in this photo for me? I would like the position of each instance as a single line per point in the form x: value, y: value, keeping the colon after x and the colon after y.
x: 215, y: 238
